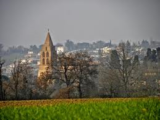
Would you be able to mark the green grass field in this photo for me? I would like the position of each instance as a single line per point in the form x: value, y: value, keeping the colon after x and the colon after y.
x: 85, y: 109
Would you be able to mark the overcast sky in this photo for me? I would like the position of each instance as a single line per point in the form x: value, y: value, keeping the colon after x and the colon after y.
x: 26, y: 22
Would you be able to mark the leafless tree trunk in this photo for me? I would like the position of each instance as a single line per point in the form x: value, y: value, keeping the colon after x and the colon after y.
x: 2, y: 97
x: 20, y: 82
x: 17, y: 69
x: 85, y: 68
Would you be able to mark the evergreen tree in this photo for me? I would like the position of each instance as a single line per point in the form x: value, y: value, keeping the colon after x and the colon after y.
x: 153, y: 56
x: 149, y: 53
x: 136, y: 60
x: 115, y: 62
x: 128, y: 46
x: 158, y: 54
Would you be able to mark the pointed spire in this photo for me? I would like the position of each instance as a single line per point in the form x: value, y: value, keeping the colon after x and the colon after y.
x: 48, y: 40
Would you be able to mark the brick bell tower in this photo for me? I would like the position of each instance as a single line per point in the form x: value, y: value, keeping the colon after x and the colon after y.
x: 48, y: 56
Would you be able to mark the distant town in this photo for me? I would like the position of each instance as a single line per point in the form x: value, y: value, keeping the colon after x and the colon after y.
x: 75, y: 70
x: 96, y: 49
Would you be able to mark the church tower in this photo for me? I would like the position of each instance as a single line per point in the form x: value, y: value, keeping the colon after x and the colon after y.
x: 47, y: 55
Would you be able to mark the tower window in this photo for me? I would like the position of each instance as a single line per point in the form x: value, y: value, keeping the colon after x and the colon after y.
x: 46, y: 48
x: 43, y: 61
x: 47, y: 54
x: 43, y: 54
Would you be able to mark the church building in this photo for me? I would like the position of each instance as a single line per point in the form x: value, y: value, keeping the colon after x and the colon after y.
x: 48, y: 56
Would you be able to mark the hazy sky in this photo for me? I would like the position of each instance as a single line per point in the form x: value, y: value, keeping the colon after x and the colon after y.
x: 25, y: 22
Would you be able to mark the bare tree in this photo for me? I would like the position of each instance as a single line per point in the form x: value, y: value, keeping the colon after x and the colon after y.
x: 28, y: 82
x: 85, y: 70
x: 21, y: 81
x: 126, y: 70
x: 64, y: 70
x: 76, y: 70
x: 121, y: 69
x: 109, y: 82
x: 1, y: 82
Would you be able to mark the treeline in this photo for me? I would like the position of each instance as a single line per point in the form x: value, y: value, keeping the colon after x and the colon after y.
x: 79, y: 76
x: 73, y: 76
x: 152, y: 55
x: 19, y: 49
x: 70, y: 45
x: 124, y: 76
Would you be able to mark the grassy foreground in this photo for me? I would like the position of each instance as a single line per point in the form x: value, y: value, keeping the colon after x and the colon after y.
x: 85, y: 109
